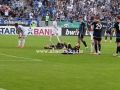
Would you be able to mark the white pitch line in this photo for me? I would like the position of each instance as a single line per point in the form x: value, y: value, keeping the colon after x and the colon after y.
x: 20, y: 57
x: 2, y: 89
x: 19, y: 60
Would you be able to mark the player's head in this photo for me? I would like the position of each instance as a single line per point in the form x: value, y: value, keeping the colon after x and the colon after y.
x: 117, y: 18
x: 80, y: 18
x: 55, y: 19
x: 97, y: 18
x: 16, y: 25
x: 108, y: 20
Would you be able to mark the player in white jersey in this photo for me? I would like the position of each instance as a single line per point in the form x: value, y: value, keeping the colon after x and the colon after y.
x: 92, y: 40
x: 54, y: 30
x: 22, y: 33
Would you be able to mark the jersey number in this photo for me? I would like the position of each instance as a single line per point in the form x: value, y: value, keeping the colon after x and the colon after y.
x: 98, y: 26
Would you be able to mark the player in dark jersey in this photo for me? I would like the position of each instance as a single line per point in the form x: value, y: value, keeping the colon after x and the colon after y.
x: 108, y: 30
x: 97, y: 28
x: 82, y: 27
x: 117, y: 28
x: 59, y: 45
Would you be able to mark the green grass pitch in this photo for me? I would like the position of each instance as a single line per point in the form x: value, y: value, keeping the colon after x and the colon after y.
x: 20, y: 69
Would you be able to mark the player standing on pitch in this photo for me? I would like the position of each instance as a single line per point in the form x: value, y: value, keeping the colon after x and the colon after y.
x: 22, y: 32
x: 97, y: 35
x: 54, y: 30
x: 92, y: 40
x: 108, y: 30
x: 117, y: 29
x: 81, y: 30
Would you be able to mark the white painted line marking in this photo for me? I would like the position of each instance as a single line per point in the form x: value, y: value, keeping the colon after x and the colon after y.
x: 2, y: 89
x: 20, y: 57
x: 19, y: 60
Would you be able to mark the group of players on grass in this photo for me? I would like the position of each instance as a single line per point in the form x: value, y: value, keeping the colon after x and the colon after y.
x: 96, y: 36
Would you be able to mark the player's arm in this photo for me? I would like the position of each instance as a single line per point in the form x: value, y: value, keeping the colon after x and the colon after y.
x: 92, y: 26
x: 111, y: 26
x: 18, y: 33
x: 76, y: 31
x: 113, y: 30
x: 86, y: 27
x: 22, y: 34
x: 55, y: 26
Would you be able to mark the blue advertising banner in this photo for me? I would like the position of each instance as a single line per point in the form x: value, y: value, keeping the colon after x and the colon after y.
x: 21, y: 22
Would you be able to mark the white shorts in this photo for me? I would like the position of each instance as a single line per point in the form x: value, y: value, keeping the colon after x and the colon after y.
x: 25, y: 34
x: 54, y: 31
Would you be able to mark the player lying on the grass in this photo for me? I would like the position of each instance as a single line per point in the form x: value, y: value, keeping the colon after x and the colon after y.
x: 59, y: 45
x: 108, y: 30
x: 70, y: 50
x: 22, y: 33
x: 117, y: 28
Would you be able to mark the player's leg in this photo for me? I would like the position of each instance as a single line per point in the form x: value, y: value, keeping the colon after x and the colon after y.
x: 92, y: 47
x: 99, y: 47
x: 79, y: 38
x: 106, y: 37
x: 19, y: 40
x: 92, y: 43
x: 118, y: 47
x: 57, y: 37
x: 51, y: 35
x: 110, y: 37
x: 86, y: 47
x: 95, y: 45
x: 23, y: 41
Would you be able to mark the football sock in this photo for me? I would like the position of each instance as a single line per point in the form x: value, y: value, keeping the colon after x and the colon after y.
x: 96, y: 48
x: 105, y: 37
x: 117, y: 49
x: 84, y: 43
x: 57, y: 38
x: 110, y: 37
x: 99, y: 47
x: 92, y: 46
x: 23, y: 42
x: 19, y: 41
x: 50, y: 37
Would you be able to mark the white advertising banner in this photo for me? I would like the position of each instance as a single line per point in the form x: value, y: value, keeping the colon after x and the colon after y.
x: 30, y: 31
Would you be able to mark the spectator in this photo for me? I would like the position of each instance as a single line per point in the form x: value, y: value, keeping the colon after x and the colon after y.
x: 39, y: 4
x: 31, y: 16
x: 46, y: 19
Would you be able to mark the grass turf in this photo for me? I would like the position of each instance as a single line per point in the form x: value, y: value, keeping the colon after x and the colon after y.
x: 56, y: 71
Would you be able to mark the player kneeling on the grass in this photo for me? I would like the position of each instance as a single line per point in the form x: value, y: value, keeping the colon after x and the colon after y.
x: 97, y: 34
x: 22, y: 33
x: 70, y: 50
x: 108, y: 30
x: 117, y: 28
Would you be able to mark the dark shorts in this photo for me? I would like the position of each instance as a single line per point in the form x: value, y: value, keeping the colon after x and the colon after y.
x: 80, y: 35
x: 108, y: 32
x: 118, y: 39
x: 97, y: 38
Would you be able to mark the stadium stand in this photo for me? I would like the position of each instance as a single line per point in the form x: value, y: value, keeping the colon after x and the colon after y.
x: 68, y: 10
x: 71, y: 9
x: 17, y: 10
